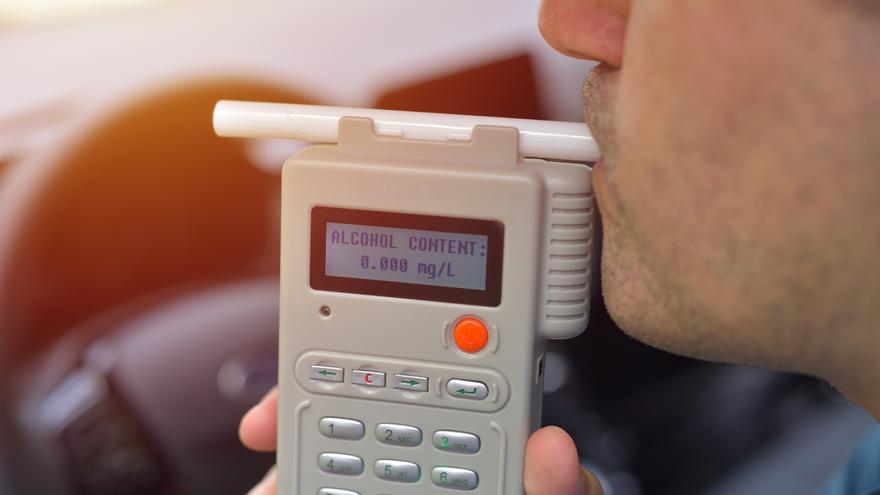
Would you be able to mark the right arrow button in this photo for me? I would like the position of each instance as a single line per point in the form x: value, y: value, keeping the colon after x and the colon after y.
x: 466, y: 389
x: 411, y: 382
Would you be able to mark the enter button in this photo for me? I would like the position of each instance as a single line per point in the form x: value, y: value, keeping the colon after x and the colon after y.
x: 466, y: 389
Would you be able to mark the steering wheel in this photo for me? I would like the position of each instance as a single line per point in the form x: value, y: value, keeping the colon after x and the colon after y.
x: 144, y: 237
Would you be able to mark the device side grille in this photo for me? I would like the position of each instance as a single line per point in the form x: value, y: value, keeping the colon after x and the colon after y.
x: 569, y: 257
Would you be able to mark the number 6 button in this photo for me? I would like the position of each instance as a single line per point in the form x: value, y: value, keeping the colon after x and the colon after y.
x: 458, y: 478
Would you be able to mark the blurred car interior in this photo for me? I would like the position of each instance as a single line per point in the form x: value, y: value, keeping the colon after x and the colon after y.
x: 139, y: 252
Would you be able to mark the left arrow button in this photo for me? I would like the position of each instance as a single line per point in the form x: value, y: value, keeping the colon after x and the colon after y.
x: 326, y: 373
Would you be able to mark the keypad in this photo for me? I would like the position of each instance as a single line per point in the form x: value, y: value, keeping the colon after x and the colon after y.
x: 349, y: 465
x: 379, y: 378
x: 346, y: 429
x: 403, y: 471
x: 394, y: 434
x: 396, y: 469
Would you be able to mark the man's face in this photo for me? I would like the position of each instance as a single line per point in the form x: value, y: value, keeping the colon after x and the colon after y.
x: 740, y: 180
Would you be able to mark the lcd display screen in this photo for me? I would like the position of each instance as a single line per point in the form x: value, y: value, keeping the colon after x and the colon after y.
x: 406, y: 255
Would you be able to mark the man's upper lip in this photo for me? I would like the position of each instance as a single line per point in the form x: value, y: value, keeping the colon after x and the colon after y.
x: 600, y: 94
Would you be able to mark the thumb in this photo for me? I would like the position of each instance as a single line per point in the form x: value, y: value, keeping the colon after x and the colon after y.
x: 268, y: 486
x: 552, y: 466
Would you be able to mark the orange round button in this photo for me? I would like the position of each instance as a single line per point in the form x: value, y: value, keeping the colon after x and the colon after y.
x: 470, y: 335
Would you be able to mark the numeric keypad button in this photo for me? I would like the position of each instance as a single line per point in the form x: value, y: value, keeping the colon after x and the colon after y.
x: 349, y: 465
x: 394, y: 434
x: 456, y: 441
x: 457, y: 478
x: 346, y: 429
x: 403, y: 471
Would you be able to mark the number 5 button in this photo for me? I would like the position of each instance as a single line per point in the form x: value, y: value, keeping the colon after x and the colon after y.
x: 406, y: 472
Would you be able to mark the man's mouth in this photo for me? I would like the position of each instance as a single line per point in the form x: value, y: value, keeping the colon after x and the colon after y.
x: 600, y: 98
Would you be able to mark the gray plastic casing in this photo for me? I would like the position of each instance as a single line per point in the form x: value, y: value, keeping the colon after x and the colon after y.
x: 547, y: 212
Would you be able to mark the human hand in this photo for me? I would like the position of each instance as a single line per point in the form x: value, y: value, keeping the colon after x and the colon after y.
x: 551, y: 467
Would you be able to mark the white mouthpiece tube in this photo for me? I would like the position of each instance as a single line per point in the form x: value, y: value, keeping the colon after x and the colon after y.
x: 537, y: 138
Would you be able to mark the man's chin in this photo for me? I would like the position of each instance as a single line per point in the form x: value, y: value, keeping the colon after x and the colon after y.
x: 642, y: 309
x: 660, y: 317
x: 655, y: 313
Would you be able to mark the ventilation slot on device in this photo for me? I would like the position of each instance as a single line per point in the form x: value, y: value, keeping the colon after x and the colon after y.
x: 569, y: 257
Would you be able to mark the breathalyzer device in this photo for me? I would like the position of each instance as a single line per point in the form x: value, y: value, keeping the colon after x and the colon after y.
x: 425, y: 260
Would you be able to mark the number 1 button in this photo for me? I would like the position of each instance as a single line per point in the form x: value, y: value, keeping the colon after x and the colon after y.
x: 346, y: 429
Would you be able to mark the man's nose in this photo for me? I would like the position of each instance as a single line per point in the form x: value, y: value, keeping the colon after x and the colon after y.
x: 590, y: 29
